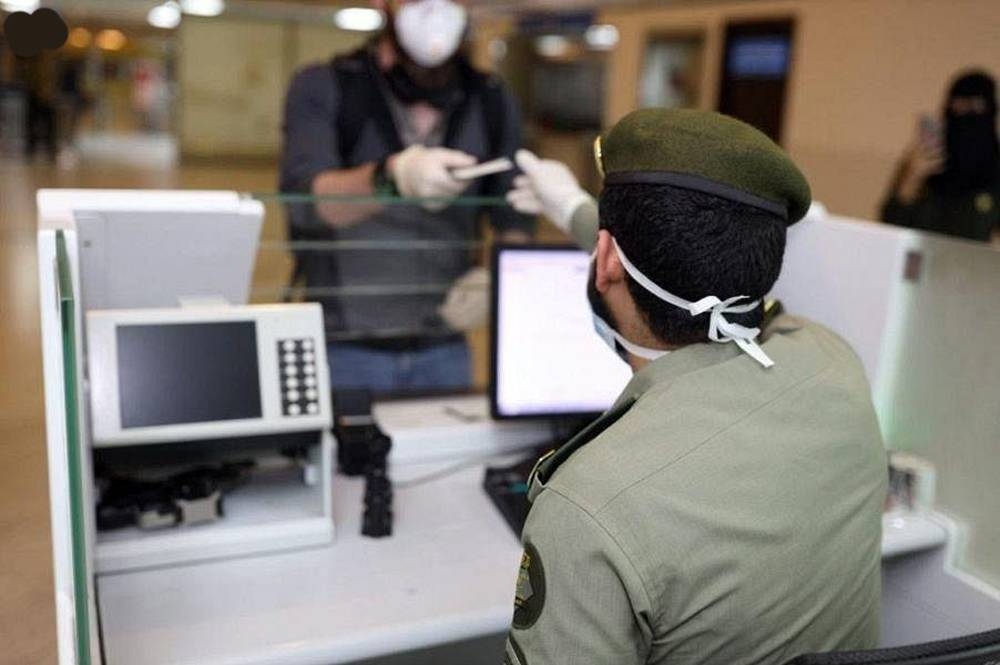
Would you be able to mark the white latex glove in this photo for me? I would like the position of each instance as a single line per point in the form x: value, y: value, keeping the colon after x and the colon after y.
x: 467, y: 305
x: 546, y: 187
x: 421, y: 172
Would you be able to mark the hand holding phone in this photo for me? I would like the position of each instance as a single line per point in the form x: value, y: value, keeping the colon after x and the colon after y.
x: 926, y: 157
x: 930, y: 130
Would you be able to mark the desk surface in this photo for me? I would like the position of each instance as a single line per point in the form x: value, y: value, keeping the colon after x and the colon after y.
x: 446, y: 575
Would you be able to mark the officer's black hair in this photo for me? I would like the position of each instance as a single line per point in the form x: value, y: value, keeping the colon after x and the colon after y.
x: 693, y: 245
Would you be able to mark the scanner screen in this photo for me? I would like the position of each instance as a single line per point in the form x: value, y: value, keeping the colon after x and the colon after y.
x: 549, y: 361
x: 174, y: 374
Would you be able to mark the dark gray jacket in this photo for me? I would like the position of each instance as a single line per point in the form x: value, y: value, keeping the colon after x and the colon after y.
x: 317, y: 113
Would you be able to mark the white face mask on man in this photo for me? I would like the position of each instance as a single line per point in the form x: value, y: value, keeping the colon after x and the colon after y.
x: 430, y: 31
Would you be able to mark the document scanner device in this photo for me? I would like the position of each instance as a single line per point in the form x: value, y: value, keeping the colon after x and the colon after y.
x: 217, y: 420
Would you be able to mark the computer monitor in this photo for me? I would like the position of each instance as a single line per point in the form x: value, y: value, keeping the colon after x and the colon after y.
x: 188, y: 374
x: 547, y: 360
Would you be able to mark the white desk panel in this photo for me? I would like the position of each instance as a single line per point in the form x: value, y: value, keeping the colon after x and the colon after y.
x: 906, y: 533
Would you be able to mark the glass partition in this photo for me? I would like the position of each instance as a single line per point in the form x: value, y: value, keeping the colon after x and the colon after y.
x: 394, y: 275
x: 944, y: 394
x: 74, y: 454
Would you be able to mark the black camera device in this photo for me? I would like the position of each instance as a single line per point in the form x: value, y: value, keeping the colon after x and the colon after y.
x: 363, y: 449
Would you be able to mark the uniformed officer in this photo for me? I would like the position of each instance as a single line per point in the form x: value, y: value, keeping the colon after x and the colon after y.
x: 727, y: 508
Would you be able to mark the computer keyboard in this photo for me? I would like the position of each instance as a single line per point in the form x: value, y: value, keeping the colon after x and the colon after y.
x: 507, y: 487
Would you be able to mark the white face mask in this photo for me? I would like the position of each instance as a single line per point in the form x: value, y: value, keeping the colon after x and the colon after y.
x: 430, y: 31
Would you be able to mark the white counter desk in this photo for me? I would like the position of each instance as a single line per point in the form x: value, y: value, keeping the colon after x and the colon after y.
x: 446, y: 575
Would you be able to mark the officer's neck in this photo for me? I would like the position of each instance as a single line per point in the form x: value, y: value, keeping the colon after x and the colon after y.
x: 643, y: 336
x: 637, y: 363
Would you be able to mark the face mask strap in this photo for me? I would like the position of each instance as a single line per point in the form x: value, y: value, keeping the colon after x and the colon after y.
x: 634, y: 349
x: 720, y: 329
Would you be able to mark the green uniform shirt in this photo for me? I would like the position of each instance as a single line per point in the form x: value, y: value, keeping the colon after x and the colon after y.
x: 584, y: 225
x: 719, y: 513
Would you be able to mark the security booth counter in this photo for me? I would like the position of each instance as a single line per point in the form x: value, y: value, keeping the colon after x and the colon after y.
x: 190, y: 348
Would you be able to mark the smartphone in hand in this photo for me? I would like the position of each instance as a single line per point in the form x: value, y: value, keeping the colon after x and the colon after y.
x: 930, y: 130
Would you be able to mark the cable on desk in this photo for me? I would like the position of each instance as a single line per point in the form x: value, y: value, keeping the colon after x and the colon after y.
x: 455, y: 468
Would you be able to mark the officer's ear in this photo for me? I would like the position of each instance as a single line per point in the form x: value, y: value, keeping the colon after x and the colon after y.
x: 608, y: 267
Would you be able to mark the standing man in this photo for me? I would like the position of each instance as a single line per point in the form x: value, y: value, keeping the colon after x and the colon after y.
x: 727, y: 508
x: 394, y: 119
x: 949, y: 181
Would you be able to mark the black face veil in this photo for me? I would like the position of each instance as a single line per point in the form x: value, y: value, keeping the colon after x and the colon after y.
x: 973, y: 159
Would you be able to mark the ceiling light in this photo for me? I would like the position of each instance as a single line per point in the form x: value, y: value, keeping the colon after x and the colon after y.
x: 167, y: 16
x: 111, y: 40
x: 79, y: 38
x: 552, y: 46
x: 203, y: 7
x: 19, y: 5
x: 602, y: 37
x: 359, y: 19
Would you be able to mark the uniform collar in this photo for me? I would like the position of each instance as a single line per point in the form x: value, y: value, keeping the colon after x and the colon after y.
x: 675, y: 364
x: 664, y: 370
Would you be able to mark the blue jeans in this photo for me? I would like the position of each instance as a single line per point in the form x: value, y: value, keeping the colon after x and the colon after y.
x: 444, y: 367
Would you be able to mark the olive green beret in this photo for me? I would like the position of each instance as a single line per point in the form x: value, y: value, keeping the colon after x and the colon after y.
x: 707, y: 152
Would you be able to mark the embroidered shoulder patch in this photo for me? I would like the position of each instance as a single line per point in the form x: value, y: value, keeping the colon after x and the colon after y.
x: 530, y: 595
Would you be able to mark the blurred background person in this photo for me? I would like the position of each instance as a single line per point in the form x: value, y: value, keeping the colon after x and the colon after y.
x: 72, y: 104
x: 41, y: 82
x: 394, y: 118
x: 949, y: 179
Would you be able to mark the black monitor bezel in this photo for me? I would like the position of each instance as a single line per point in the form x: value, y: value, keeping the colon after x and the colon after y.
x: 495, y: 413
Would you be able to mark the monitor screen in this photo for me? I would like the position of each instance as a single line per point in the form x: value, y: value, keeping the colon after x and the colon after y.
x: 172, y: 374
x: 547, y: 359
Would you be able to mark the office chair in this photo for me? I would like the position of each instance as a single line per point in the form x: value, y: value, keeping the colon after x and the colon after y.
x: 978, y: 649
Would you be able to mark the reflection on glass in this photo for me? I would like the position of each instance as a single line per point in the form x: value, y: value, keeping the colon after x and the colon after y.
x: 395, y: 277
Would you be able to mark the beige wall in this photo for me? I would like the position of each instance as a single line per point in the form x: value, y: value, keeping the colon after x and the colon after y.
x: 318, y: 43
x: 232, y: 76
x: 862, y: 71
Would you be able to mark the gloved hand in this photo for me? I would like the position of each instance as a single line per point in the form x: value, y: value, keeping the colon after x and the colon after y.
x: 421, y: 172
x: 467, y: 305
x: 546, y: 187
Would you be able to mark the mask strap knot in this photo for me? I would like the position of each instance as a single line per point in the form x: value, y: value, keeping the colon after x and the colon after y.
x: 720, y: 329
